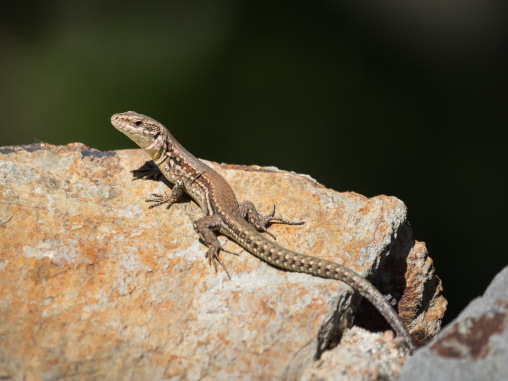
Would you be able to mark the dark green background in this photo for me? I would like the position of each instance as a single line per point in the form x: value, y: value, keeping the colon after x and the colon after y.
x: 400, y: 98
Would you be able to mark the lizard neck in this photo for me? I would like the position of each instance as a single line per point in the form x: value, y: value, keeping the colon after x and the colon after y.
x: 157, y: 150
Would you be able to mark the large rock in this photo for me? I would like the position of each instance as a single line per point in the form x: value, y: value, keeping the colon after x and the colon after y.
x: 95, y: 285
x: 472, y: 347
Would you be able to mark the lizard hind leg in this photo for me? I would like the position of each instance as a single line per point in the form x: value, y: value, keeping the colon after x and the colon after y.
x: 250, y: 213
x: 205, y: 227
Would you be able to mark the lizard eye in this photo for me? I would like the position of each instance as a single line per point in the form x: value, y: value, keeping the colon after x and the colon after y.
x: 138, y: 123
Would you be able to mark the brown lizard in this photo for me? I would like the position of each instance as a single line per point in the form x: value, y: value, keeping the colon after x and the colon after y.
x: 222, y: 212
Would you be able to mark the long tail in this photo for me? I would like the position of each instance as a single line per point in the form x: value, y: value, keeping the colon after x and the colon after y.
x: 280, y: 257
x: 369, y: 291
x: 330, y: 270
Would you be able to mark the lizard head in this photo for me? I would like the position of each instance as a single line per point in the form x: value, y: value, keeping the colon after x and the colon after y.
x: 146, y: 132
x: 141, y: 129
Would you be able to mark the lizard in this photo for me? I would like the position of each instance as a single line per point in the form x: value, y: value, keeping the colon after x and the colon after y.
x: 242, y: 223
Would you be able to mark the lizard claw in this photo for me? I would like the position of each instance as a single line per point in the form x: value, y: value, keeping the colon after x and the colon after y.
x: 259, y: 221
x: 213, y: 257
x: 159, y: 199
x: 271, y: 219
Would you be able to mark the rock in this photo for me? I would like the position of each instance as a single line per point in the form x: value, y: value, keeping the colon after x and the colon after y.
x: 361, y: 355
x: 472, y: 347
x: 95, y: 285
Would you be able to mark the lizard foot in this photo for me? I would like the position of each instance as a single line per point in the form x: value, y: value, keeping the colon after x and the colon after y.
x: 259, y: 221
x: 213, y: 257
x: 159, y: 199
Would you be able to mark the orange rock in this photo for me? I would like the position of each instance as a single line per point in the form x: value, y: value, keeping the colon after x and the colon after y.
x: 94, y: 284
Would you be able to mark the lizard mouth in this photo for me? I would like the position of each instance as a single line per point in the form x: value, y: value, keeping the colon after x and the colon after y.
x: 122, y: 125
x: 117, y: 122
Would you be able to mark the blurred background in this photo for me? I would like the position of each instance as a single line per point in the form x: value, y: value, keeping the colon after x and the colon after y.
x: 404, y: 98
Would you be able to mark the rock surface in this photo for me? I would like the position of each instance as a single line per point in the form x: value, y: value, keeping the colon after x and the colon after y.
x: 472, y: 347
x: 361, y: 355
x: 95, y: 285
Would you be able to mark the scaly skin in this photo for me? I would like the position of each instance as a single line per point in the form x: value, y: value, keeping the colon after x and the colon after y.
x: 223, y: 213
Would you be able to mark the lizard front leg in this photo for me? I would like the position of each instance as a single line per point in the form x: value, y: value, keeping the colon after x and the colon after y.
x: 205, y: 227
x: 159, y: 199
x: 176, y: 193
x: 250, y: 213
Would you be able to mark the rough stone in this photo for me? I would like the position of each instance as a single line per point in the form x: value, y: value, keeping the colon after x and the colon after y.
x: 472, y: 347
x: 95, y: 285
x: 361, y: 355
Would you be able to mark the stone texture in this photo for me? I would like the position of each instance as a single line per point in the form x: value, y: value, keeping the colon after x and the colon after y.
x: 472, y: 347
x: 361, y: 355
x: 95, y: 285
